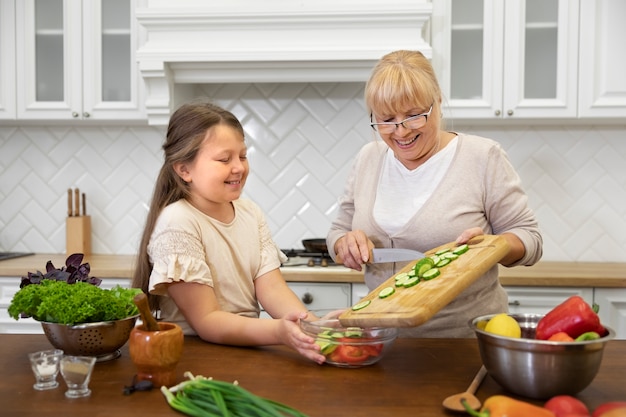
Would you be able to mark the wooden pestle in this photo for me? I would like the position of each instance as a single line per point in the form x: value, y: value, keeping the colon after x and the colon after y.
x: 141, y: 301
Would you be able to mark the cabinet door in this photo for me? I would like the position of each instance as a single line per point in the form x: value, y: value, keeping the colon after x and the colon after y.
x: 513, y: 59
x: 612, y: 303
x: 7, y: 59
x: 602, y: 58
x: 467, y: 55
x: 112, y: 87
x: 540, y: 300
x: 75, y: 60
x: 540, y: 58
x: 49, y: 67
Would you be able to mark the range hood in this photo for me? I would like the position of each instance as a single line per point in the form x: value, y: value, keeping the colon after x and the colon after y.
x: 184, y: 43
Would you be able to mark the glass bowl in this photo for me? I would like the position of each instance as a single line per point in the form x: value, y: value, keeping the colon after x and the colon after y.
x: 349, y: 347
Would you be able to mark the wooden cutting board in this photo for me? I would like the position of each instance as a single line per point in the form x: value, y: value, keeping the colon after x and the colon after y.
x: 413, y: 306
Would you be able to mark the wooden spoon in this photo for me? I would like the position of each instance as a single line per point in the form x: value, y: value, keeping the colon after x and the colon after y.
x: 453, y: 402
x: 141, y: 301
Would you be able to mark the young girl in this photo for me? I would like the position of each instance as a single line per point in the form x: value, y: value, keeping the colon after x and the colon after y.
x: 207, y: 258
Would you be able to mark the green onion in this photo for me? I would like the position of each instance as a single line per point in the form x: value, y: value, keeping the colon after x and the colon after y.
x: 202, y: 397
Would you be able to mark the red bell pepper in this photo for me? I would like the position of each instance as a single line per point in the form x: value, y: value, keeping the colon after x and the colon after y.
x: 573, y: 316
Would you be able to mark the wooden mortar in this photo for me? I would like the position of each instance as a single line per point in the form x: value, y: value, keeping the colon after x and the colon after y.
x: 156, y: 353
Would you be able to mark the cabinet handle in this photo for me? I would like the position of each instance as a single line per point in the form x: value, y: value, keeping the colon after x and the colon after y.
x: 307, y: 298
x: 514, y: 303
x: 497, y: 112
x: 86, y: 115
x: 74, y: 114
x: 509, y: 112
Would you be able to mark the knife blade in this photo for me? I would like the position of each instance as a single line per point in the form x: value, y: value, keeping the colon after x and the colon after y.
x: 383, y: 255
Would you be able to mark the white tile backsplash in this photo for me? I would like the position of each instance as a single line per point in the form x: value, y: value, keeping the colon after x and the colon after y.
x: 302, y: 138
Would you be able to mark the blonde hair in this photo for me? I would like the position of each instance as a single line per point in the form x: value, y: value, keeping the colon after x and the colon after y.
x: 402, y: 80
x: 185, y: 134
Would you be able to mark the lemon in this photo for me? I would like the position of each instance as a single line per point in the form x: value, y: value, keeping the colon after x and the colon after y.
x: 504, y: 325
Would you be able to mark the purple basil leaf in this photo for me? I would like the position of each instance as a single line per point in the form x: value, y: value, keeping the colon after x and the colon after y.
x: 83, y: 272
x: 50, y: 266
x: 74, y: 260
x: 58, y: 275
x: 94, y: 281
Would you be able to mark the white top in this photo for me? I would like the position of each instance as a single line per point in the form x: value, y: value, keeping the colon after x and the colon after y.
x: 402, y: 192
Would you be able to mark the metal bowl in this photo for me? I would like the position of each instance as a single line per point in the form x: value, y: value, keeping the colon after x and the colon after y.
x: 101, y: 339
x: 538, y: 369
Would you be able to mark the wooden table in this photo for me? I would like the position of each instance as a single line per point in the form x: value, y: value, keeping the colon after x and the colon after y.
x: 411, y: 381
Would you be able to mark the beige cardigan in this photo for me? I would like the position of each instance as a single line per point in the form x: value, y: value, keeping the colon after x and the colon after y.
x: 480, y: 189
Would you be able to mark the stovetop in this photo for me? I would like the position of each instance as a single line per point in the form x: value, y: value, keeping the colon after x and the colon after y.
x: 301, y: 257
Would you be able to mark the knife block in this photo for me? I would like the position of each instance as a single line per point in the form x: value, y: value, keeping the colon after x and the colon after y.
x: 78, y: 235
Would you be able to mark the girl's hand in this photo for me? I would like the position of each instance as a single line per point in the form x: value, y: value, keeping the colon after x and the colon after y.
x: 353, y: 249
x: 291, y: 335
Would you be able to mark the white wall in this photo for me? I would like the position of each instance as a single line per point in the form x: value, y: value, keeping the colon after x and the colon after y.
x: 302, y: 138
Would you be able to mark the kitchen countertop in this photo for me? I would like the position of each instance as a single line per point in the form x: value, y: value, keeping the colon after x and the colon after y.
x: 413, y: 379
x: 544, y: 273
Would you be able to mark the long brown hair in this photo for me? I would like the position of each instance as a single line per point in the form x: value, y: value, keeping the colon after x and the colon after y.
x: 185, y: 133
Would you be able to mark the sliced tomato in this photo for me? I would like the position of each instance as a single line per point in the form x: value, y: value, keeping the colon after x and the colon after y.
x: 373, y: 350
x: 351, y: 354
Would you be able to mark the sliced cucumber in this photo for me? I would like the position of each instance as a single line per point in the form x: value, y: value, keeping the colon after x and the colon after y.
x: 461, y: 249
x: 353, y: 332
x: 442, y: 251
x: 423, y: 268
x: 410, y: 282
x: 326, y: 334
x: 451, y: 256
x: 443, y: 262
x: 401, y: 276
x: 386, y: 292
x: 400, y: 282
x: 361, y: 304
x: 435, y: 259
x: 326, y: 347
x: 431, y: 273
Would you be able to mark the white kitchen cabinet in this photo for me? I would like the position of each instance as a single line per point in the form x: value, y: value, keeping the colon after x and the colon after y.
x: 612, y: 303
x: 358, y: 292
x: 75, y: 60
x: 602, y: 87
x: 7, y: 59
x: 10, y: 285
x: 321, y: 296
x: 513, y: 59
x: 540, y: 300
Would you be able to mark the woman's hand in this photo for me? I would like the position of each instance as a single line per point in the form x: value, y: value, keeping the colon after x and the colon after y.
x: 516, y: 247
x: 353, y: 249
x: 469, y: 234
x: 291, y: 335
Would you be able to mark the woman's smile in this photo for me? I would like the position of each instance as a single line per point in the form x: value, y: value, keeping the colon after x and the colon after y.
x: 406, y: 143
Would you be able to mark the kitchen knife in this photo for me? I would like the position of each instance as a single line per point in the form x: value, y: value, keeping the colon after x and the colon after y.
x: 383, y: 255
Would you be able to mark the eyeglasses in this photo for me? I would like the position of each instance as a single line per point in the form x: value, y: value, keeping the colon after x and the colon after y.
x: 413, y: 122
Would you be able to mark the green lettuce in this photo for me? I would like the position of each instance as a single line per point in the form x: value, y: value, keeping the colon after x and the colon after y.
x: 80, y: 302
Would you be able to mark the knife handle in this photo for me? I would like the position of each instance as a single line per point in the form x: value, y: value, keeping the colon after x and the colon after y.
x: 70, y: 213
x: 76, y: 202
x: 369, y: 259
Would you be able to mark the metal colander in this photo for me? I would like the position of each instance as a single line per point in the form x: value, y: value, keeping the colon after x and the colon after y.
x: 102, y: 339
